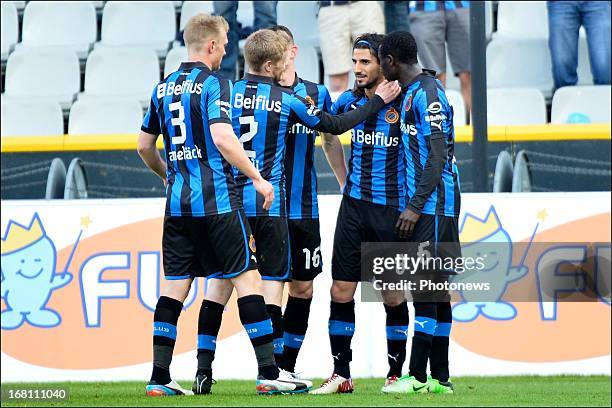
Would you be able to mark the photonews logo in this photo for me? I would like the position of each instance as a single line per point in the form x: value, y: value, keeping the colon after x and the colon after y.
x: 29, y: 276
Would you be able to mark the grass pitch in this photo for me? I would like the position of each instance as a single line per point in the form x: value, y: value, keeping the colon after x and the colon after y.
x: 469, y: 391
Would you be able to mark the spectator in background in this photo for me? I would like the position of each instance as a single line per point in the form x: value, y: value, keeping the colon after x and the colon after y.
x: 564, y: 21
x: 340, y: 22
x: 396, y: 16
x: 438, y: 26
x: 265, y: 16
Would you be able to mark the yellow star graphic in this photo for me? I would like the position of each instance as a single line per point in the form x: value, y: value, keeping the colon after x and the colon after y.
x: 542, y: 214
x: 85, y: 221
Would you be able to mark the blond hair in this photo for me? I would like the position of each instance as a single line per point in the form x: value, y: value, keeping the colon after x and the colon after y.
x: 265, y: 45
x: 203, y: 27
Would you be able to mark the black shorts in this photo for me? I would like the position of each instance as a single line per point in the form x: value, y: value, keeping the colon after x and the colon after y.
x: 272, y: 247
x: 442, y: 234
x: 213, y: 246
x: 439, y: 235
x: 359, y: 221
x: 305, y: 239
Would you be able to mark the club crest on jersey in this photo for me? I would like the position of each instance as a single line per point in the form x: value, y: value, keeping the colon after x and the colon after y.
x: 252, y: 244
x: 409, y: 103
x: 391, y: 116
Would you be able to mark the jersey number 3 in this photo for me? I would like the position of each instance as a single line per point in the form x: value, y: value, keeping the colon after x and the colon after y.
x: 179, y: 121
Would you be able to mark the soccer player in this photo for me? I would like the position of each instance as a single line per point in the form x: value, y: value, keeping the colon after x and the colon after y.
x: 263, y: 114
x: 433, y: 201
x: 373, y: 193
x: 302, y: 210
x: 205, y: 227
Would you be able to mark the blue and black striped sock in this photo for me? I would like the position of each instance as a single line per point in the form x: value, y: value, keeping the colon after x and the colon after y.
x: 424, y: 328
x: 165, y: 319
x: 341, y: 329
x: 276, y: 315
x: 257, y: 323
x: 397, y: 337
x: 209, y: 323
x: 295, y: 322
x: 438, y: 360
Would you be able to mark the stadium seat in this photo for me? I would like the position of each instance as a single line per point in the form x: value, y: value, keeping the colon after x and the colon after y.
x: 522, y: 19
x: 123, y: 73
x: 191, y: 8
x: 174, y: 58
x: 31, y: 117
x: 98, y: 116
x: 20, y: 5
x: 516, y: 106
x: 301, y: 18
x: 456, y: 101
x: 40, y: 25
x: 43, y: 74
x: 581, y: 104
x: 307, y: 64
x: 10, y: 28
x: 143, y: 24
x: 519, y: 63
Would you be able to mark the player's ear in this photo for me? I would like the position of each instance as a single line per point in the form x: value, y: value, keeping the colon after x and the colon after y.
x: 390, y: 60
x: 267, y: 66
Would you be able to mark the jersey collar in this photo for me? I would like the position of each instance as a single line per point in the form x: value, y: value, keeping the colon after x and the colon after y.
x: 259, y: 78
x: 194, y: 64
x: 426, y: 72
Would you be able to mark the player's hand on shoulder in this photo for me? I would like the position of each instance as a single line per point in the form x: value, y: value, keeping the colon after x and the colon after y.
x: 264, y: 188
x: 388, y: 90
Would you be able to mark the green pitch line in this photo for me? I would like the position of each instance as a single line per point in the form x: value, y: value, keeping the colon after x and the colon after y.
x: 469, y: 391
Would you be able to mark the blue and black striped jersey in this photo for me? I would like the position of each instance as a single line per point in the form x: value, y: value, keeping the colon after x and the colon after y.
x: 183, y: 107
x: 426, y: 114
x: 263, y: 113
x: 299, y: 159
x: 436, y: 5
x: 376, y: 166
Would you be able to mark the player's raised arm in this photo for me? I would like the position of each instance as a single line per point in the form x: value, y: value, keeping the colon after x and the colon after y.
x: 314, y: 118
x: 335, y: 156
x: 147, y: 139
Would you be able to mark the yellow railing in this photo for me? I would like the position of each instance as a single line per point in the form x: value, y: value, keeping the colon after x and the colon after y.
x: 463, y: 134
